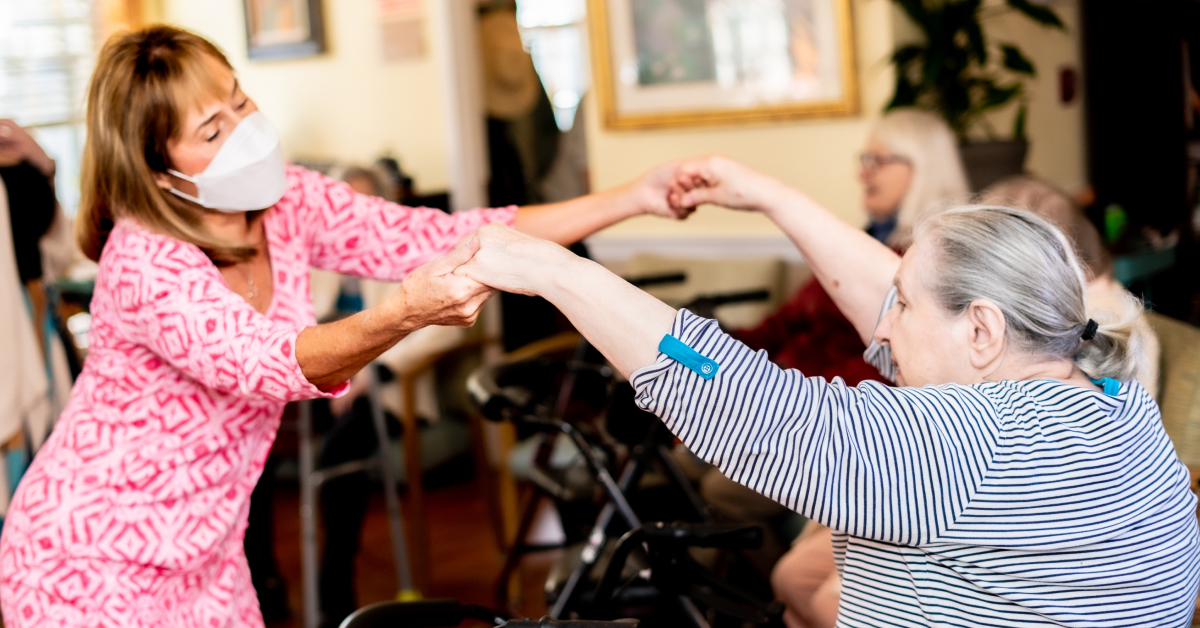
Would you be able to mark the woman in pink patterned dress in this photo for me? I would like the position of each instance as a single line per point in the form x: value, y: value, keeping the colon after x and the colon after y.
x: 133, y: 512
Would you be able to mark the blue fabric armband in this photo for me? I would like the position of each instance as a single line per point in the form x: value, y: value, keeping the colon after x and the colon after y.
x: 1111, y: 386
x: 674, y: 348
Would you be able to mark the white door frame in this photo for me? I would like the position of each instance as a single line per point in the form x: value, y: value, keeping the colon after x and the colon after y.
x: 462, y: 90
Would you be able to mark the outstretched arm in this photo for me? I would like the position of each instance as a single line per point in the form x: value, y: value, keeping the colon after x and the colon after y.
x: 623, y: 322
x: 571, y: 221
x: 366, y: 236
x: 837, y: 454
x: 854, y: 268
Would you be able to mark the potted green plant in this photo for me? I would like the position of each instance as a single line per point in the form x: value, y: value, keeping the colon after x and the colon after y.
x: 956, y: 73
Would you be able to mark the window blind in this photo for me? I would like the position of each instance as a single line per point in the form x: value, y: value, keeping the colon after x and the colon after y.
x: 47, y: 50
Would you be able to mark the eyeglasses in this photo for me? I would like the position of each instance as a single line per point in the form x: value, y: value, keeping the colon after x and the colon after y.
x: 874, y: 161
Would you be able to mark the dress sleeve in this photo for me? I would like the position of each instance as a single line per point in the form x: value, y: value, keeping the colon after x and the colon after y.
x: 176, y: 304
x: 366, y: 236
x: 897, y: 465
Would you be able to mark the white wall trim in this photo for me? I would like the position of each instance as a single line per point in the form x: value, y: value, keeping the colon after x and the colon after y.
x: 620, y: 249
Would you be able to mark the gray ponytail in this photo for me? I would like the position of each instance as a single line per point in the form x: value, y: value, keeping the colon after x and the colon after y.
x: 1118, y: 349
x: 1029, y: 269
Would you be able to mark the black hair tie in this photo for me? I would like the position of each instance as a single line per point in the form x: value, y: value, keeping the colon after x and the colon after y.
x: 1089, y: 330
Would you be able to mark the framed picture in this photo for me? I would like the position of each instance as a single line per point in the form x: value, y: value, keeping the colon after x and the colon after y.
x: 664, y: 63
x: 284, y: 29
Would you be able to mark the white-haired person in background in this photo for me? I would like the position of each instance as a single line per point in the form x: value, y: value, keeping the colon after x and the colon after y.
x: 1018, y: 475
x: 930, y: 172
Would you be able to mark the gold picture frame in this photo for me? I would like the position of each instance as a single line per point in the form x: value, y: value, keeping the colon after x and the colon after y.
x: 284, y: 29
x: 813, y: 36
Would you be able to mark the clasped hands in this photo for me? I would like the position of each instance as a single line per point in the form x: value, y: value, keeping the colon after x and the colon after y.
x: 451, y: 290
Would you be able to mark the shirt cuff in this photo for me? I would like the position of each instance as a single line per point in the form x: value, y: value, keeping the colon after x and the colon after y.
x: 691, y: 330
x: 504, y: 215
x: 297, y: 385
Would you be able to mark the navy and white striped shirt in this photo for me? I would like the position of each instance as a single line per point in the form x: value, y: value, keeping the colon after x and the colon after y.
x: 1014, y: 503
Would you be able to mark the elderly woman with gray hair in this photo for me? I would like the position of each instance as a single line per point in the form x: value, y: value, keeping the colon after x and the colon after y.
x: 1018, y: 476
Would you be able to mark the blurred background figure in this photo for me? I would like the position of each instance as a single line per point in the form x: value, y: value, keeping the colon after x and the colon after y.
x: 1103, y: 290
x: 34, y: 367
x: 523, y: 148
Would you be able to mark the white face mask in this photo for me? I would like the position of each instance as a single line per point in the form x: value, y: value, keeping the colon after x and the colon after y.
x: 246, y: 174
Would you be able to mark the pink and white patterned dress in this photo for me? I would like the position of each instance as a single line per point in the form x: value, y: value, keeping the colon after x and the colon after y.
x: 133, y: 512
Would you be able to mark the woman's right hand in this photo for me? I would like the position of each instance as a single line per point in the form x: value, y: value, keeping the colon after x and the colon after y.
x: 515, y: 262
x: 722, y: 181
x: 434, y: 295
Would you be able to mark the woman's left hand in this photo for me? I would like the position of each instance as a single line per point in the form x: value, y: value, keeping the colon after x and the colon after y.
x: 514, y: 262
x: 651, y: 193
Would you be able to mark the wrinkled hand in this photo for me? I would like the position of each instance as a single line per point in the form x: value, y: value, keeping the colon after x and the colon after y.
x: 17, y: 145
x: 720, y: 181
x: 651, y: 193
x: 435, y: 295
x: 511, y: 261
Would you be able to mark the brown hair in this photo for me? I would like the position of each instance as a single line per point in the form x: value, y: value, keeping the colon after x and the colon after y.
x: 145, y: 83
x: 1055, y: 206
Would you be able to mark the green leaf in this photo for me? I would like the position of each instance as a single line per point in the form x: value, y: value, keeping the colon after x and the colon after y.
x: 906, y: 93
x: 1019, y: 122
x: 975, y: 42
x: 998, y: 95
x: 915, y: 11
x: 906, y: 55
x: 1038, y: 13
x: 1017, y: 62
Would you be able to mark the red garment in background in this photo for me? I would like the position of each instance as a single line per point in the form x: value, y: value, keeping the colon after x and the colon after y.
x: 810, y: 334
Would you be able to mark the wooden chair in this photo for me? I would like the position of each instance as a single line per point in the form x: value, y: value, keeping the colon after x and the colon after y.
x: 1179, y: 391
x: 418, y: 519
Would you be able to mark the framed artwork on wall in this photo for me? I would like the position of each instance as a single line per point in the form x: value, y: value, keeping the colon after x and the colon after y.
x: 284, y: 29
x: 669, y: 63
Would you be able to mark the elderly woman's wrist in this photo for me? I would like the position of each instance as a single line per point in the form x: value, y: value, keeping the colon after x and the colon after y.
x: 772, y: 196
x: 561, y: 275
x: 781, y: 201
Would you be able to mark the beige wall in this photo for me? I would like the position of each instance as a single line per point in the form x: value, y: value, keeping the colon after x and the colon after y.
x: 346, y: 104
x: 349, y: 105
x: 818, y: 155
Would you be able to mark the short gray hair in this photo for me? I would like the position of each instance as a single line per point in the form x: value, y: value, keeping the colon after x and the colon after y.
x: 1028, y: 268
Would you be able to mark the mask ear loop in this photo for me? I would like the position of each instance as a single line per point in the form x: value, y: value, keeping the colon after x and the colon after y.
x: 185, y: 195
